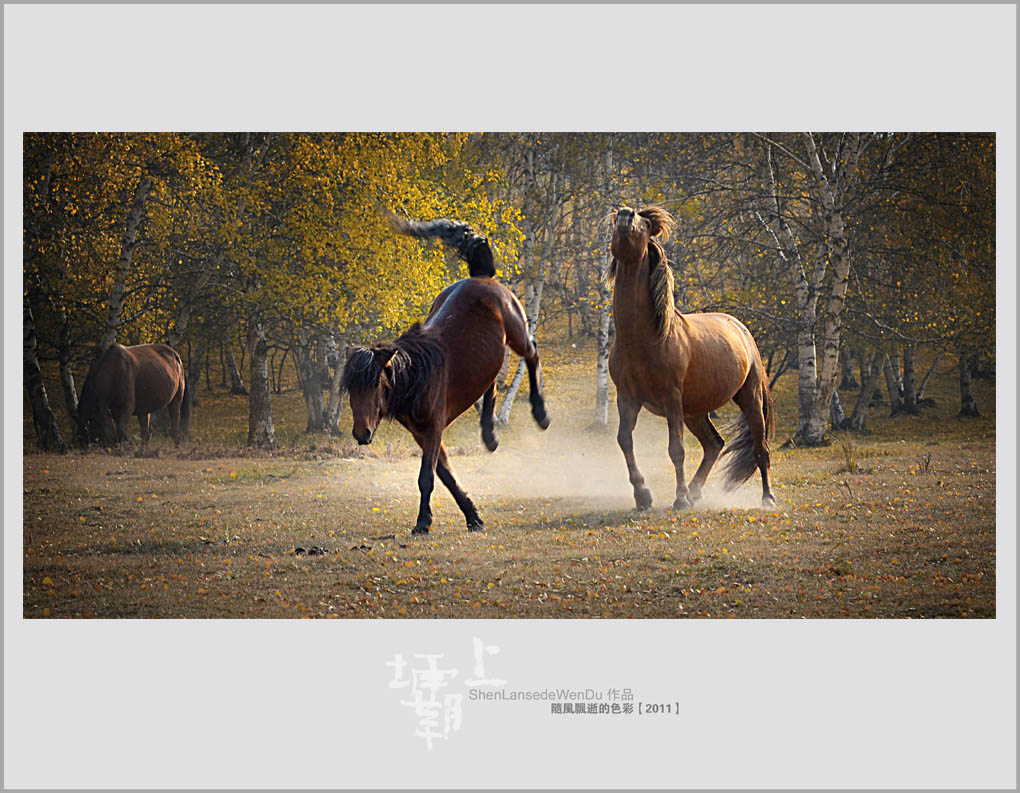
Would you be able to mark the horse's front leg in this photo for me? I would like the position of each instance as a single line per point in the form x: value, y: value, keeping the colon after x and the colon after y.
x: 121, y: 426
x: 144, y: 428
x: 628, y: 411
x: 474, y: 523
x: 675, y: 423
x: 430, y: 445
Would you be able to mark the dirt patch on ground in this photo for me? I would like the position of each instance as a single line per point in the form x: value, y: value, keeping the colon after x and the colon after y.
x: 909, y: 533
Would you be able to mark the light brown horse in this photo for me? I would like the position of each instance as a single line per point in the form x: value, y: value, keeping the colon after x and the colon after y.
x: 681, y: 366
x: 132, y: 381
x: 437, y: 370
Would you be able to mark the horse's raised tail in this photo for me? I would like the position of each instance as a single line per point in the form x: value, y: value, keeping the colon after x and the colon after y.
x: 471, y: 247
x: 743, y: 459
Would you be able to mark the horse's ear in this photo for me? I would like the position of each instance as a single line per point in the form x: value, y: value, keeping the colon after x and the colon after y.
x: 350, y: 352
x: 382, y: 357
x: 611, y: 217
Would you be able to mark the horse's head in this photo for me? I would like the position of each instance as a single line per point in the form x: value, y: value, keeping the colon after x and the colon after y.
x: 93, y: 424
x: 632, y: 230
x: 365, y: 383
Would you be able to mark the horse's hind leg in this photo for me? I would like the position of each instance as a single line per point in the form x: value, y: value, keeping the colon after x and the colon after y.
x: 527, y: 348
x: 174, y: 411
x: 488, y: 404
x: 474, y: 523
x: 749, y: 400
x: 711, y: 444
x: 535, y: 386
x: 625, y: 437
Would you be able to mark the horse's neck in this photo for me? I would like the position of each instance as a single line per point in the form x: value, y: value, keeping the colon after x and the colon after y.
x: 633, y: 308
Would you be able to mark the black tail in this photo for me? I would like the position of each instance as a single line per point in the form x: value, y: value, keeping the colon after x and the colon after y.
x: 470, y: 247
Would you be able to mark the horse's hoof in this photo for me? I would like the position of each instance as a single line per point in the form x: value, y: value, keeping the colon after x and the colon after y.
x: 768, y: 500
x: 643, y: 499
x: 491, y: 444
x: 681, y: 503
x: 695, y: 496
x: 542, y: 421
x: 419, y: 530
x: 476, y: 525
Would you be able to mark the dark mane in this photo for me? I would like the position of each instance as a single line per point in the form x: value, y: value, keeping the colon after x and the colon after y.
x: 415, y: 360
x: 472, y: 248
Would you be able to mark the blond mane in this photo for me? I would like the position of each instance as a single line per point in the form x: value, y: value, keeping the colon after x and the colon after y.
x: 660, y: 274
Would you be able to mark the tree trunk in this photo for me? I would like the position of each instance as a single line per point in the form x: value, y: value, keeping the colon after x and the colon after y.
x: 533, y: 290
x: 66, y: 372
x: 600, y: 421
x: 195, y: 365
x: 261, y: 432
x: 504, y: 370
x: 892, y: 383
x: 968, y: 405
x: 836, y: 415
x: 135, y: 216
x: 310, y: 383
x: 909, y: 388
x: 848, y: 382
x: 806, y: 295
x: 46, y: 430
x: 334, y: 406
x: 503, y: 416
x: 927, y: 377
x: 180, y: 326
x: 236, y: 383
x: 813, y: 433
x: 859, y: 417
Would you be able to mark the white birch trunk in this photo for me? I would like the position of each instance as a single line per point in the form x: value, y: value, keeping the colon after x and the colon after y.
x: 838, y: 254
x: 135, y: 216
x: 600, y: 420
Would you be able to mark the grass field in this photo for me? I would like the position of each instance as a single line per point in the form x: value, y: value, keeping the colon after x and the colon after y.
x: 898, y: 523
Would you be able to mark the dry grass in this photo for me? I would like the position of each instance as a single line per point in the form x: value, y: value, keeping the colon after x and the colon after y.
x: 316, y: 530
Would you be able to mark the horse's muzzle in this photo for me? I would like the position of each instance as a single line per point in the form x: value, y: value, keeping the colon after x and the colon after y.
x: 364, y: 437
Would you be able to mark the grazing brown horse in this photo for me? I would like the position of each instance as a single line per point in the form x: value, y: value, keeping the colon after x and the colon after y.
x: 681, y: 366
x: 437, y: 370
x: 132, y: 381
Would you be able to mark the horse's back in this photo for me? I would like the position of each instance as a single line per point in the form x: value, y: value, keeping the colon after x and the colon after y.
x: 475, y: 318
x: 722, y: 354
x: 158, y: 375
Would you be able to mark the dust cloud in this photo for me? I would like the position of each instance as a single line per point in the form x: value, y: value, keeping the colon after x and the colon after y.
x: 566, y: 463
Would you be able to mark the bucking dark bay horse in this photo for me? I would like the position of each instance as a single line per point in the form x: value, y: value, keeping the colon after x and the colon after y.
x: 681, y: 366
x: 132, y: 381
x: 439, y: 368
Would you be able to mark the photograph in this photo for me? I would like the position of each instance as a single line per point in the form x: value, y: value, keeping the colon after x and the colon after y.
x: 426, y: 375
